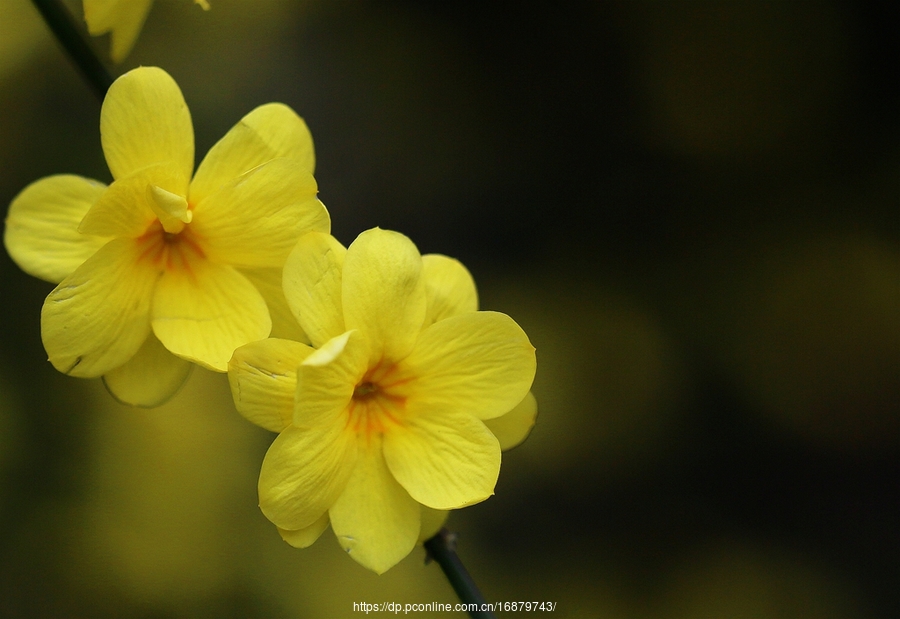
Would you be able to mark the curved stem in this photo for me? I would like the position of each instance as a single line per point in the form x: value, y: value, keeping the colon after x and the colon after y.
x: 67, y: 33
x: 442, y: 549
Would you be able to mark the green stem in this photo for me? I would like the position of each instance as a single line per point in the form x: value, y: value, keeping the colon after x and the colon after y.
x: 442, y: 548
x: 64, y: 28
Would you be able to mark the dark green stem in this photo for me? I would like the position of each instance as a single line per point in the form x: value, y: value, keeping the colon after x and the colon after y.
x: 66, y: 31
x: 442, y: 549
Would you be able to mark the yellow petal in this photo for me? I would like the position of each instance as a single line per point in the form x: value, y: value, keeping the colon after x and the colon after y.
x: 98, y: 317
x: 124, y: 18
x: 445, y: 459
x: 268, y: 282
x: 303, y: 473
x: 150, y: 378
x: 203, y: 312
x: 144, y: 121
x: 269, y: 132
x: 326, y: 380
x: 432, y: 522
x: 102, y: 15
x: 126, y: 208
x: 263, y: 379
x: 312, y: 286
x: 304, y: 538
x: 171, y: 208
x: 449, y: 288
x: 512, y: 428
x: 374, y: 519
x: 383, y: 292
x: 42, y: 226
x: 256, y: 219
x: 481, y: 363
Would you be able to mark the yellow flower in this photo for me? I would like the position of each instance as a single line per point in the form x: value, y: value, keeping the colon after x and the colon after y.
x: 382, y: 426
x: 123, y: 19
x: 157, y: 263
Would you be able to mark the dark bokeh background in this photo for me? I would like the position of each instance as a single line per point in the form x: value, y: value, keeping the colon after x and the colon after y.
x: 692, y: 209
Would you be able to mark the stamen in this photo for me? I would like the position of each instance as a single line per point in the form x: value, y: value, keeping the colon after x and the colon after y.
x: 364, y: 390
x: 373, y: 407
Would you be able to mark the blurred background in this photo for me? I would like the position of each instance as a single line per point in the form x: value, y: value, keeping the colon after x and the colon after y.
x: 690, y: 207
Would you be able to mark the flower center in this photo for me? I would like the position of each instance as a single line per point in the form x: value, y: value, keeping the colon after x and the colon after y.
x: 365, y: 390
x: 170, y: 251
x: 168, y: 243
x: 379, y: 401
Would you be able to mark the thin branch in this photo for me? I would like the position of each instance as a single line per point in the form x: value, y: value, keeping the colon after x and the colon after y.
x: 67, y: 33
x: 442, y: 549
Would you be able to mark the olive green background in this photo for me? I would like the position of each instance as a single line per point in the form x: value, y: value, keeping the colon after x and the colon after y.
x: 690, y: 207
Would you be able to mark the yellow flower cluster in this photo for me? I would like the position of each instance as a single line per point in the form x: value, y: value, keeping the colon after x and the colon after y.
x: 391, y: 394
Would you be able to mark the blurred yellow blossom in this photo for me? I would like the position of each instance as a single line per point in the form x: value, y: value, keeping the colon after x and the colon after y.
x: 158, y: 270
x: 123, y: 19
x: 383, y: 425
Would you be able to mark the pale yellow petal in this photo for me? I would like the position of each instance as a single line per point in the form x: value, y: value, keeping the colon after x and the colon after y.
x: 124, y: 18
x: 445, y: 459
x: 102, y: 15
x: 384, y: 293
x: 204, y: 311
x: 326, y: 380
x: 312, y: 286
x: 126, y: 208
x: 303, y: 473
x: 268, y: 282
x: 374, y: 519
x: 172, y: 209
x: 304, y: 538
x: 263, y: 379
x: 269, y: 132
x: 432, y: 522
x: 481, y: 363
x: 150, y: 378
x: 449, y: 288
x: 145, y: 121
x: 98, y: 317
x: 256, y: 219
x: 512, y: 428
x: 41, y: 232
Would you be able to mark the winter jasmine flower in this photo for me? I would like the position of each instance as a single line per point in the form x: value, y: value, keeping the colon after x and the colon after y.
x: 385, y: 422
x: 158, y: 270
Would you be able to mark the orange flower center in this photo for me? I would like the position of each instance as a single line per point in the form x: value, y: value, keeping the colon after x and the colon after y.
x: 169, y: 251
x: 379, y: 401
